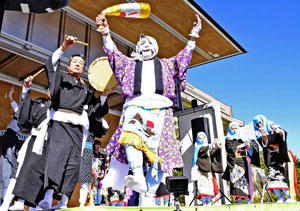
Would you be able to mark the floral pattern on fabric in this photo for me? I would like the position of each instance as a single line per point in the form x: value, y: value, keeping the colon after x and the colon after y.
x: 276, y: 179
x: 174, y: 67
x: 168, y: 149
x: 238, y: 179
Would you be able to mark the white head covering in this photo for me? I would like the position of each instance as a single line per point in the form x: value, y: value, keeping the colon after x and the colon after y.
x: 153, y: 47
x: 203, y: 135
x: 198, y: 145
x: 233, y: 135
x: 266, y: 125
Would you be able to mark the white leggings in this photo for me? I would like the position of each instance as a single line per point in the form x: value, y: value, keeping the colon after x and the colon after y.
x: 84, y: 190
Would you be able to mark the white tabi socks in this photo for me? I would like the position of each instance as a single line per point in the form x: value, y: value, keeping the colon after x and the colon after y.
x: 46, y: 203
x: 9, y: 196
x: 62, y: 204
x: 137, y: 181
x: 84, y: 190
x: 19, y: 205
x: 147, y: 200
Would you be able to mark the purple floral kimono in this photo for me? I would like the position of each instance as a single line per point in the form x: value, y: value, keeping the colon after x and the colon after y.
x: 172, y: 68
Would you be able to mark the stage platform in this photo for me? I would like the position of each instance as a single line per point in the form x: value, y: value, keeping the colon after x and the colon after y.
x: 235, y: 207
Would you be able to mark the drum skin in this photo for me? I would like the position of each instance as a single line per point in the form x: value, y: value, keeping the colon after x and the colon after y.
x: 100, y: 75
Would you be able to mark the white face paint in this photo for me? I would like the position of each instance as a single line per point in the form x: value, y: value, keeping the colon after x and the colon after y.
x: 147, y: 47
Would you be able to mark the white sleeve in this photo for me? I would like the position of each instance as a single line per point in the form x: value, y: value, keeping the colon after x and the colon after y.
x: 14, y: 106
x: 108, y: 42
x: 103, y: 99
x: 56, y: 56
x: 24, y: 92
x: 191, y: 45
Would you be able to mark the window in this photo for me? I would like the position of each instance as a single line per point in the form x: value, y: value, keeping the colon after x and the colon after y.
x: 45, y: 30
x: 76, y: 28
x: 95, y: 46
x: 15, y: 23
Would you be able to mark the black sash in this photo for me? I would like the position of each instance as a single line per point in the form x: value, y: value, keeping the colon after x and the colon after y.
x: 159, y: 88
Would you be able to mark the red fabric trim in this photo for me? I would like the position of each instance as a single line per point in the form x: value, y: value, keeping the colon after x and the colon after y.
x: 295, y: 180
x: 123, y: 202
x: 294, y: 158
x: 216, y: 187
x: 200, y: 195
x: 273, y: 145
x: 278, y: 188
x: 158, y: 197
x: 243, y: 197
x: 295, y: 173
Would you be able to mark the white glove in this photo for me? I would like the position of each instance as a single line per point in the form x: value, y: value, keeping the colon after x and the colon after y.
x: 197, y: 27
x: 102, y: 25
x: 105, y: 30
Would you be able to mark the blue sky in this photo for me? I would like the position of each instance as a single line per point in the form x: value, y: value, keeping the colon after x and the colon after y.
x: 266, y: 80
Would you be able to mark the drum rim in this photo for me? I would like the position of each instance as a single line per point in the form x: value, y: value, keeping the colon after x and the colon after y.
x: 102, y: 58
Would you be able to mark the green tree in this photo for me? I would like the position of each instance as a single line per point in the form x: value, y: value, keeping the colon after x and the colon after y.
x: 297, y: 164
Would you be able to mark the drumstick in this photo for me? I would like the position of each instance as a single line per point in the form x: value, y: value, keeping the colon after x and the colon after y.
x: 82, y: 43
x: 79, y: 42
x: 41, y: 70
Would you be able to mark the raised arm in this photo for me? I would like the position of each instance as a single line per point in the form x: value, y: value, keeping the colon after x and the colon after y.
x: 182, y: 60
x: 24, y: 119
x: 102, y: 25
x: 196, y: 29
x: 117, y: 60
x: 13, y: 103
x: 51, y: 64
x: 27, y: 83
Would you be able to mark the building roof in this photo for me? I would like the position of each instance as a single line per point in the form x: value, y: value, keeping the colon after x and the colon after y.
x: 23, y: 48
x: 170, y: 23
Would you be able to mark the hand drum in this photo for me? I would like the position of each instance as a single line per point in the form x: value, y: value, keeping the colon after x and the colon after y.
x: 100, y: 75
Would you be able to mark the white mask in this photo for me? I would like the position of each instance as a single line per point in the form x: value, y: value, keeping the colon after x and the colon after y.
x: 147, y: 47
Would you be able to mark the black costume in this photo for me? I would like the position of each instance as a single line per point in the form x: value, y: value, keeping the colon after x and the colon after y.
x: 64, y: 143
x: 238, y: 170
x: 208, y: 162
x: 29, y: 181
x: 276, y: 158
x: 10, y: 146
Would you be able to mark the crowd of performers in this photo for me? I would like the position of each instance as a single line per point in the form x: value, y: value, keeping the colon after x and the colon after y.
x: 241, y: 156
x: 61, y: 149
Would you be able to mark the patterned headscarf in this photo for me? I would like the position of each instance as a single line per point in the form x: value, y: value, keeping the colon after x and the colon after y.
x: 266, y: 125
x: 232, y: 135
x: 154, y: 48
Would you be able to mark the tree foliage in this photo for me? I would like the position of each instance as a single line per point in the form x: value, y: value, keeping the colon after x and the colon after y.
x: 297, y: 164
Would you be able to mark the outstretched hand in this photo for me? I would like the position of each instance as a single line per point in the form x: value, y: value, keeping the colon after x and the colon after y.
x: 69, y: 42
x: 10, y: 94
x: 28, y: 81
x: 196, y: 28
x: 102, y: 25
